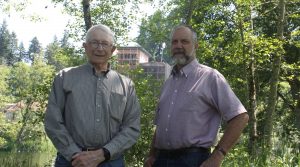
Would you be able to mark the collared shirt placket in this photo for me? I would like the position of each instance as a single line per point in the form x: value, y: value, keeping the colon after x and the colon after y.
x: 174, y: 95
x: 99, y: 107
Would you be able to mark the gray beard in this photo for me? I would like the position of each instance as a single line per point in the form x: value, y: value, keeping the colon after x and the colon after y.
x: 181, y: 60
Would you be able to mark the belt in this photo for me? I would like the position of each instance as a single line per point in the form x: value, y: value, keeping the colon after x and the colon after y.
x: 89, y: 149
x: 184, y: 151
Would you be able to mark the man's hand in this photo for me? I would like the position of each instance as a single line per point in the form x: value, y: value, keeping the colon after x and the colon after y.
x: 149, y: 161
x: 88, y: 158
x: 215, y: 160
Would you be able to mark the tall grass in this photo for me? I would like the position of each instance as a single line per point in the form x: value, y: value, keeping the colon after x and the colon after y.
x: 283, y: 154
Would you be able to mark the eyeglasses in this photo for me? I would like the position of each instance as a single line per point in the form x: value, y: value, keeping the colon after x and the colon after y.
x: 103, y: 45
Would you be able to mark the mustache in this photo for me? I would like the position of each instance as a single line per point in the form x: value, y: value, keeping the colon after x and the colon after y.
x: 178, y: 50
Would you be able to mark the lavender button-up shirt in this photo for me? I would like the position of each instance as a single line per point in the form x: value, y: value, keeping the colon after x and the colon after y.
x: 192, y: 103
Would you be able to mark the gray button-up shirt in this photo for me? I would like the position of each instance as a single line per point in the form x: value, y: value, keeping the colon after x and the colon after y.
x: 88, y: 110
x: 192, y: 103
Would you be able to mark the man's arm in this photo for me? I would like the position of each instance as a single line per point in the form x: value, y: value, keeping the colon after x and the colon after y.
x: 130, y: 127
x: 88, y: 158
x: 152, y: 153
x: 231, y: 135
x: 54, y: 122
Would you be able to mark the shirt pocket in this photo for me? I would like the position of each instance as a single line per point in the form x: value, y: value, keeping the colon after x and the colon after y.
x: 189, y: 102
x: 117, y: 107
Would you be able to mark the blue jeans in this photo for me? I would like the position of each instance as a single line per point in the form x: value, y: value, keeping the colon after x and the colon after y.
x: 192, y: 159
x: 60, y: 161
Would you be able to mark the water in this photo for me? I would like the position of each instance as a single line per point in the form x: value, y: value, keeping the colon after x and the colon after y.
x: 26, y: 159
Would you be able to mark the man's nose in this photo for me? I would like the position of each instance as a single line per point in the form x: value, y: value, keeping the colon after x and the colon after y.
x: 178, y: 45
x: 100, y: 47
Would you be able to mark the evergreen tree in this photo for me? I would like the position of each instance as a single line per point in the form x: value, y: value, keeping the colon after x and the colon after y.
x: 35, y: 48
x: 13, y: 50
x: 4, y: 43
x: 21, y: 53
x: 50, y: 52
x: 64, y: 42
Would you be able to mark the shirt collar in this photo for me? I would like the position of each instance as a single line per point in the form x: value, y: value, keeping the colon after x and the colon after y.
x: 92, y: 69
x: 186, y: 70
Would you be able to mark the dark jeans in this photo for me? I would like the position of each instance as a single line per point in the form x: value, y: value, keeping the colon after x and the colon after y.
x: 60, y: 161
x: 191, y: 159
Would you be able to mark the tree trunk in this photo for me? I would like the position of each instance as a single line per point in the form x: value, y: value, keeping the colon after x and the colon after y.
x: 25, y: 117
x: 295, y: 90
x: 87, y: 14
x: 297, y: 115
x: 251, y: 87
x: 274, y: 82
x: 252, y: 108
x: 189, y: 12
x: 252, y: 98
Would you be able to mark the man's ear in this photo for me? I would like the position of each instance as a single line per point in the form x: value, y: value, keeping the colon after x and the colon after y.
x: 113, y: 49
x: 196, y: 45
x: 84, y: 45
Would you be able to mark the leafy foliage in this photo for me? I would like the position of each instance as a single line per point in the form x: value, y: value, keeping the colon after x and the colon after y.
x: 30, y: 86
x: 232, y: 35
x: 147, y: 89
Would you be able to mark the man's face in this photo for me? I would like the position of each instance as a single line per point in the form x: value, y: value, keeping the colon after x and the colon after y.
x: 99, y: 47
x: 182, y: 46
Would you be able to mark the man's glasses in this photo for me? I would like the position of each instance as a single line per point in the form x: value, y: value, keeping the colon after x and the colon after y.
x: 103, y: 45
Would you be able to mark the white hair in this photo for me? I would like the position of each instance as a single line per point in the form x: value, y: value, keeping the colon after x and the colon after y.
x: 101, y: 27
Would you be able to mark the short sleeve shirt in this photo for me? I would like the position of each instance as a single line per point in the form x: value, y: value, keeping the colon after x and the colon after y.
x: 192, y: 103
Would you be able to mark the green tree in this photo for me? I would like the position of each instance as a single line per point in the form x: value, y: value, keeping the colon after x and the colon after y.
x: 153, y: 35
x: 5, y: 96
x: 21, y: 53
x: 4, y: 43
x: 240, y: 39
x: 147, y: 89
x: 13, y: 49
x: 35, y: 49
x: 62, y: 54
x: 119, y: 15
x: 275, y: 76
x: 30, y: 85
x: 50, y: 53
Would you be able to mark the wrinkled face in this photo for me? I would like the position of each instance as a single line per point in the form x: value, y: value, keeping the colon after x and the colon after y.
x: 183, y: 47
x: 99, y: 47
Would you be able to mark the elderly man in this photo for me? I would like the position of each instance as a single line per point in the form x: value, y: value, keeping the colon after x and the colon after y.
x: 93, y: 113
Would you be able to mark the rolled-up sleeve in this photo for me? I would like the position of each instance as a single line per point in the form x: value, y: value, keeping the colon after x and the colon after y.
x: 54, y: 122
